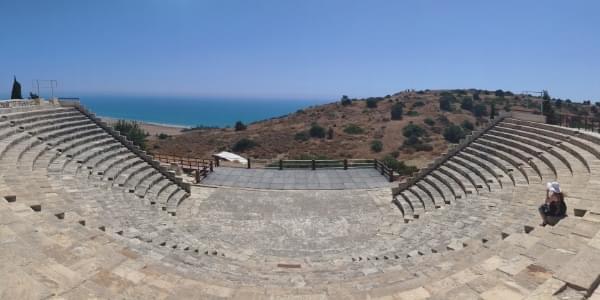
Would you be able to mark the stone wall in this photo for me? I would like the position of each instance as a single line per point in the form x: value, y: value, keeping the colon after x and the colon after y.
x: 127, y: 143
x: 7, y: 105
x: 528, y: 116
x: 453, y: 149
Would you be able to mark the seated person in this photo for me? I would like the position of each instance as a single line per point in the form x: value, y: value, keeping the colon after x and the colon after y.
x: 555, y: 205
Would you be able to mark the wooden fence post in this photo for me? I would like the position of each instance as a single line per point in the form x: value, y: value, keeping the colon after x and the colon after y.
x: 313, y: 165
x: 345, y: 164
x: 281, y: 164
x: 248, y: 162
x: 211, y: 165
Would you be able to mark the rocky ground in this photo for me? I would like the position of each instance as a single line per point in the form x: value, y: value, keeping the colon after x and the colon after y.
x: 276, y: 138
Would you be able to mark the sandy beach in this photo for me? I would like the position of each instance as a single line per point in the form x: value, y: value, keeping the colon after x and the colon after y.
x: 153, y: 129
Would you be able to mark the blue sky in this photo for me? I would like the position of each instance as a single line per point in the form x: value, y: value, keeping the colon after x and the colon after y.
x: 301, y: 49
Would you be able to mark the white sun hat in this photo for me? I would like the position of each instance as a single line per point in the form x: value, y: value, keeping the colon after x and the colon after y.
x: 553, y: 187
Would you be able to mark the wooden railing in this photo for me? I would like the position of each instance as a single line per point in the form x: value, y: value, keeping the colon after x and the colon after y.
x: 186, y: 163
x: 200, y: 167
x: 323, y: 164
x: 204, y: 166
x: 384, y: 170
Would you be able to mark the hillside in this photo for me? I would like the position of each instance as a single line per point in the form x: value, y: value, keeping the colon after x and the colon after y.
x: 289, y: 136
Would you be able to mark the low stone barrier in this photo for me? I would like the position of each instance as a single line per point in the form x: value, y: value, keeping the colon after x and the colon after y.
x: 528, y: 116
x: 7, y: 105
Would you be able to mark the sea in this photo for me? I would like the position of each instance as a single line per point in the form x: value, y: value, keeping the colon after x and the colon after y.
x: 194, y: 111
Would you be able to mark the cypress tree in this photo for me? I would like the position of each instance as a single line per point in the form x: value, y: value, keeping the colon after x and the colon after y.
x: 16, y: 90
x: 493, y: 110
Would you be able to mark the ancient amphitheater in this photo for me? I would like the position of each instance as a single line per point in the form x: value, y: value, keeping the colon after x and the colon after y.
x: 85, y: 214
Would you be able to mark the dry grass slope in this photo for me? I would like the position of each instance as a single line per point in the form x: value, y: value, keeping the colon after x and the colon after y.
x: 276, y: 137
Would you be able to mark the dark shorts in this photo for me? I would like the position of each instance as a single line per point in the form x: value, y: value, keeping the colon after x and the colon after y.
x: 550, y: 210
x: 544, y: 209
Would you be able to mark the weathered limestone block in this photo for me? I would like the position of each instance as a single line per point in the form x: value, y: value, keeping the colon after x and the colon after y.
x: 583, y: 270
x: 414, y: 294
x: 522, y: 240
x: 504, y: 290
x: 546, y: 290
x: 586, y: 229
x: 515, y: 265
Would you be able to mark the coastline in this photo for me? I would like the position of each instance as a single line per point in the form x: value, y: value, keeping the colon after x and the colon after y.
x: 151, y: 127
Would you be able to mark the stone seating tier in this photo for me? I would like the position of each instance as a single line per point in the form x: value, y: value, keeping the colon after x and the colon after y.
x: 465, y: 230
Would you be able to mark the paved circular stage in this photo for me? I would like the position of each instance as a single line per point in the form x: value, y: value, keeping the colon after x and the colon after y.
x: 297, y: 179
x: 287, y: 223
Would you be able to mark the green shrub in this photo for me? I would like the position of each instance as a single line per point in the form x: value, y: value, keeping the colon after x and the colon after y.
x: 243, y: 145
x: 353, y: 129
x: 413, y: 130
x: 443, y: 120
x: 467, y: 125
x: 301, y: 136
x: 467, y: 103
x: 346, y: 101
x: 493, y: 112
x: 317, y: 131
x: 330, y: 133
x: 550, y: 113
x: 399, y: 166
x: 371, y: 103
x: 163, y: 136
x: 396, y: 112
x: 479, y: 110
x: 454, y: 133
x: 418, y: 104
x: 429, y: 121
x: 132, y: 131
x: 412, y: 113
x: 446, y: 101
x: 376, y: 146
x: 545, y: 95
x: 411, y: 141
x: 239, y: 126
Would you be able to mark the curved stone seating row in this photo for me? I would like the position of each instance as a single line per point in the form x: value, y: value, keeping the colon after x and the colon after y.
x: 535, y: 144
x: 497, y: 154
x: 59, y: 129
x: 19, y: 135
x: 108, y: 248
x: 77, y: 145
x: 537, y: 159
x: 551, y: 141
x: 469, y: 231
